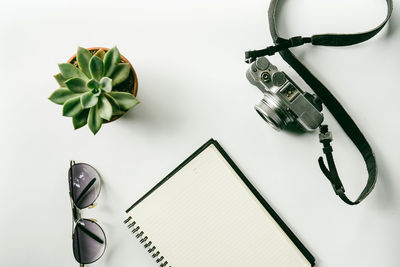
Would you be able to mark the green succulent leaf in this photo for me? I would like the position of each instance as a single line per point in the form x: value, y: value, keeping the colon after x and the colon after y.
x: 83, y: 57
x: 80, y: 120
x: 115, y: 106
x: 61, y: 95
x: 111, y: 59
x: 60, y: 79
x: 96, y: 68
x: 125, y: 101
x: 89, y: 100
x: 69, y: 71
x: 94, y: 120
x: 93, y: 84
x: 104, y: 108
x: 120, y: 73
x: 77, y: 85
x: 100, y: 54
x: 72, y: 107
x: 106, y: 84
x: 96, y: 92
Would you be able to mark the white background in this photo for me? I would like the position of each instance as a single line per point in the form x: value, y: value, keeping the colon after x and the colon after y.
x: 189, y: 59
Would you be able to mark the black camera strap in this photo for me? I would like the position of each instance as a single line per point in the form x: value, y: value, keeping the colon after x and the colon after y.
x: 342, y: 117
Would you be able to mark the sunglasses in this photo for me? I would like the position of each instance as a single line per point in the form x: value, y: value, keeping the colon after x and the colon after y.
x: 88, y: 238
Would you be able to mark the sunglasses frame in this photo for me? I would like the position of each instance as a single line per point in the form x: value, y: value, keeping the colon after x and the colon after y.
x: 76, y: 213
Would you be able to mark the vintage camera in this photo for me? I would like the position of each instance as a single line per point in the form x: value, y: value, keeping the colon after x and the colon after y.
x: 284, y: 102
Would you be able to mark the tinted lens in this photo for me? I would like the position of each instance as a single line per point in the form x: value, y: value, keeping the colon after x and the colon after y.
x: 84, y: 184
x: 89, y: 241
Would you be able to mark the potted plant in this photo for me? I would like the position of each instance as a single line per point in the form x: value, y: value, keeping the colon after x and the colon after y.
x: 97, y: 85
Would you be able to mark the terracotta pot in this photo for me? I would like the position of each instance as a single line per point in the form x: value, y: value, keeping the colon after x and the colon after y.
x: 131, y: 82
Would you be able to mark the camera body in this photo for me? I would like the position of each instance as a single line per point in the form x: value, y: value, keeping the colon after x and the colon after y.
x: 284, y: 102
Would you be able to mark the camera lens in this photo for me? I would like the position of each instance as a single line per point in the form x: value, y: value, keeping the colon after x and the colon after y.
x: 267, y: 118
x: 273, y: 111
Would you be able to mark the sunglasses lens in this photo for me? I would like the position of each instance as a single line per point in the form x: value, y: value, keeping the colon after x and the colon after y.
x: 84, y: 184
x: 89, y: 241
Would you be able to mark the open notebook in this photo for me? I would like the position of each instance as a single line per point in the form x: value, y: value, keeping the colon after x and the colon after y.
x: 207, y: 214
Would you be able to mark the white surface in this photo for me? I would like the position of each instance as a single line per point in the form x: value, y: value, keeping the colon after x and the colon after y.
x: 207, y: 213
x: 192, y: 85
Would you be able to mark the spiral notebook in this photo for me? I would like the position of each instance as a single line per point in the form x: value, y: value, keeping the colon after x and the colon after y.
x: 206, y: 213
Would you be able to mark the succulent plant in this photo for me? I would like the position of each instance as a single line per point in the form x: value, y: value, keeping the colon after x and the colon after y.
x: 86, y: 90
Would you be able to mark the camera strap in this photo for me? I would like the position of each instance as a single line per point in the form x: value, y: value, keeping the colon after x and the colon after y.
x: 342, y: 117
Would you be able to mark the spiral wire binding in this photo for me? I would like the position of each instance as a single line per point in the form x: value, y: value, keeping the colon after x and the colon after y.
x: 147, y: 243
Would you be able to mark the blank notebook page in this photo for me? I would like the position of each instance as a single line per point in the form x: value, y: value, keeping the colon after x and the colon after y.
x: 206, y: 216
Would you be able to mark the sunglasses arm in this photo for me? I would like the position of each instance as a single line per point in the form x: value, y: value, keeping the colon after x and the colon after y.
x: 76, y: 215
